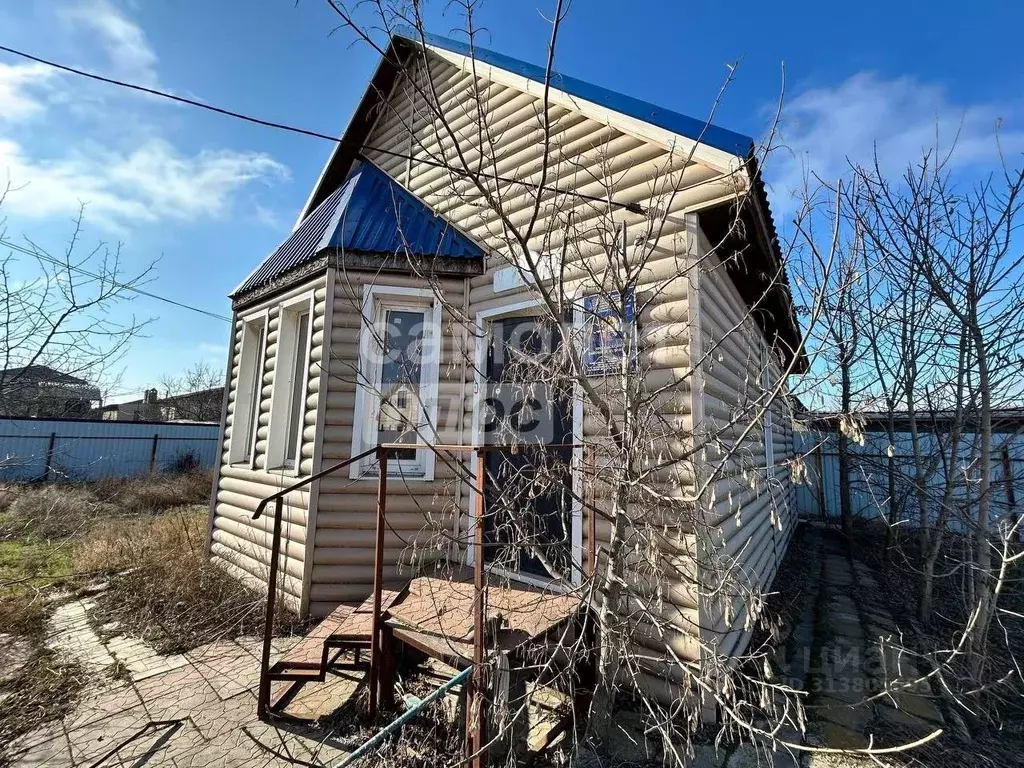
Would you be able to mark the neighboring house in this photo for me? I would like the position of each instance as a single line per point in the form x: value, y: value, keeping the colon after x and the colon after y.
x: 307, y: 320
x: 204, y: 405
x: 201, y: 405
x: 41, y: 392
x: 144, y: 409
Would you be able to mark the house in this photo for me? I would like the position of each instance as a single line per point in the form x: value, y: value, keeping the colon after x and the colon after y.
x: 394, y: 313
x: 39, y: 391
x: 203, y: 405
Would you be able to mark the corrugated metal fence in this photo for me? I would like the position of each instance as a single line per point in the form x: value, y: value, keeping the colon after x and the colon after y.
x: 818, y: 496
x: 82, y: 449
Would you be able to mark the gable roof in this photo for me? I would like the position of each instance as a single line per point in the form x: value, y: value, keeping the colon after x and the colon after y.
x: 42, y: 374
x: 689, y: 127
x: 368, y: 214
x: 715, y: 146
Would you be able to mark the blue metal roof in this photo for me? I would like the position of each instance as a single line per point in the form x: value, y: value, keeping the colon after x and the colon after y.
x: 372, y: 214
x: 690, y: 127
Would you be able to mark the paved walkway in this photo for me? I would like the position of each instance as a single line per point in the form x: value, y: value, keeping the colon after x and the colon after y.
x: 841, y: 651
x: 201, y: 712
x: 199, y: 709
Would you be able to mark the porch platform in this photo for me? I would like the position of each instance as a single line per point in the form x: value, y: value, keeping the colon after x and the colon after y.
x: 432, y: 613
x: 435, y: 615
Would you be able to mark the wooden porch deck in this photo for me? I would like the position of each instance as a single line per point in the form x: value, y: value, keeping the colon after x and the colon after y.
x: 433, y: 613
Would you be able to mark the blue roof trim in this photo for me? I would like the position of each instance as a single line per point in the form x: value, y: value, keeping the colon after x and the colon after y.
x: 370, y: 213
x: 698, y: 130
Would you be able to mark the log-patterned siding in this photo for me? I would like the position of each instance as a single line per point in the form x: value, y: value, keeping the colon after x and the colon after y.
x: 421, y: 515
x: 750, y: 507
x: 237, y: 541
x: 589, y: 157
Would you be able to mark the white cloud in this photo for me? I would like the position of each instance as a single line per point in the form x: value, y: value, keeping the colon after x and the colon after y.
x: 269, y: 218
x: 123, y: 40
x: 151, y: 183
x: 22, y: 90
x: 125, y: 171
x: 898, y: 118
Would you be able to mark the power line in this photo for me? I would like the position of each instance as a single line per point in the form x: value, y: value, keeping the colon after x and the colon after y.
x: 632, y: 207
x: 171, y: 96
x: 125, y: 286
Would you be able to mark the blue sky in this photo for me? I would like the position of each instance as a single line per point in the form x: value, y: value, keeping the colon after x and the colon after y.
x: 210, y: 196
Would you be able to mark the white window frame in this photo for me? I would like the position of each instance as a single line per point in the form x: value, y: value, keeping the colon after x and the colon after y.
x: 377, y: 301
x: 248, y: 385
x: 284, y: 385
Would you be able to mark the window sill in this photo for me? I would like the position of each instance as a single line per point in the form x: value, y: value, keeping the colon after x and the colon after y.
x: 283, y: 472
x: 371, y: 473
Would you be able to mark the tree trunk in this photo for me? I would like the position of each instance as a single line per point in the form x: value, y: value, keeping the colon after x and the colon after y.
x: 602, y: 721
x: 845, y: 501
x: 893, y: 506
x: 983, y: 551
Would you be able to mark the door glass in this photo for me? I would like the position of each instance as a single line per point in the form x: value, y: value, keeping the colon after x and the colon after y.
x: 528, y: 499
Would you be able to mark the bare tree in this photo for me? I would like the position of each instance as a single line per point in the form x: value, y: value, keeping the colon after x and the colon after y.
x: 193, y: 395
x: 55, y: 309
x: 962, y: 241
x: 672, y: 594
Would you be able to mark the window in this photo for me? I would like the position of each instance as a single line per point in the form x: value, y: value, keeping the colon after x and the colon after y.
x: 247, y: 396
x: 769, y: 442
x: 288, y: 407
x: 397, y: 386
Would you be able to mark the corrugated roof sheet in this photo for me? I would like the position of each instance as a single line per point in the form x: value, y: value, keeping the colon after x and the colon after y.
x: 690, y: 127
x: 370, y: 213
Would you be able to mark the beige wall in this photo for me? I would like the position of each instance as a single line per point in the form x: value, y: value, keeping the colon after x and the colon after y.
x: 236, y: 540
x: 334, y: 563
x: 751, y: 508
x: 421, y: 514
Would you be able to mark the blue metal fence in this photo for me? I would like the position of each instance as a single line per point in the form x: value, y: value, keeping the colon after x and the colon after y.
x: 82, y: 449
x: 818, y: 496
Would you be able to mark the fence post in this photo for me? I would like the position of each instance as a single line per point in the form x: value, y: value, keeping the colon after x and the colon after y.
x: 1011, y: 495
x: 152, y: 453
x: 821, y: 484
x: 49, y: 456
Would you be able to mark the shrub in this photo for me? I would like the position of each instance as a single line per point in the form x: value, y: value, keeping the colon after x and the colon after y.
x: 184, y: 463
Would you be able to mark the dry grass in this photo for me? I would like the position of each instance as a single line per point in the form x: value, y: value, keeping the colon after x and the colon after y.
x: 162, y: 586
x: 155, y: 493
x: 36, y: 685
x: 63, y: 511
x: 23, y: 614
x: 54, y: 512
x: 152, y: 549
x: 45, y: 689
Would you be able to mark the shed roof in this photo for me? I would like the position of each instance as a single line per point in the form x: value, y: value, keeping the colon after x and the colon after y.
x: 370, y: 214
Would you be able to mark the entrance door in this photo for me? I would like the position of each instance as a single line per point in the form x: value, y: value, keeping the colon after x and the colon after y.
x: 529, y: 506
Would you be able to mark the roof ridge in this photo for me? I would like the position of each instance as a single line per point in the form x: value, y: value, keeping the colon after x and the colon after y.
x: 692, y: 128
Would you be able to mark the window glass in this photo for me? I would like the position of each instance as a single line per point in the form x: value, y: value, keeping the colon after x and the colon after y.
x: 401, y: 380
x: 252, y: 412
x: 298, y: 394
